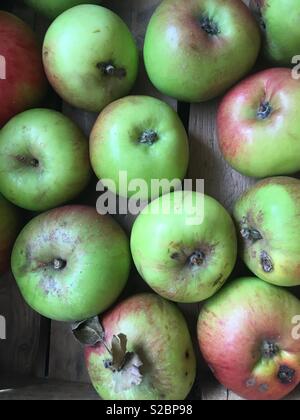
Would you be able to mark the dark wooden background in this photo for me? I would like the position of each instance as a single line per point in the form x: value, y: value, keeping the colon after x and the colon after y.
x: 36, y: 347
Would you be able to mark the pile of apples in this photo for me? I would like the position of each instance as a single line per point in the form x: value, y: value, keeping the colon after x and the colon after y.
x: 71, y: 263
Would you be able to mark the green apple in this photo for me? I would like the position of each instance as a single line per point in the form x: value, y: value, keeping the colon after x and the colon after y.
x: 144, y: 137
x: 196, y: 49
x: 53, y: 8
x: 184, y: 246
x: 44, y: 160
x: 279, y: 21
x: 9, y: 224
x: 90, y: 57
x: 267, y: 217
x: 248, y: 334
x: 157, y: 359
x: 71, y: 263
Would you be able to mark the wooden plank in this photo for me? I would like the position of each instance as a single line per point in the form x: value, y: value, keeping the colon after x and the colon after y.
x: 19, y: 352
x: 207, y: 162
x: 51, y: 391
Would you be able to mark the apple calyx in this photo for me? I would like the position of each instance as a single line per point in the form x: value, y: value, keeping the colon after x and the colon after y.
x: 209, y: 26
x: 124, y: 365
x: 28, y: 161
x: 59, y: 264
x: 264, y: 111
x: 269, y: 349
x: 286, y: 375
x: 196, y: 259
x: 148, y: 137
x: 266, y: 262
x: 108, y: 69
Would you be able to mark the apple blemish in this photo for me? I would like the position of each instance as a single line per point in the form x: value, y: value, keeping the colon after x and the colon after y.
x: 266, y: 262
x: 286, y: 375
x: 249, y: 233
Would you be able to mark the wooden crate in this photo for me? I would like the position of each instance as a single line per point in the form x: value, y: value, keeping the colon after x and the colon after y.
x: 40, y: 359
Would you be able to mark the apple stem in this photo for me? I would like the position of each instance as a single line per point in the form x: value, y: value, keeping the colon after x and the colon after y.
x: 109, y: 69
x: 148, y: 137
x: 264, y: 110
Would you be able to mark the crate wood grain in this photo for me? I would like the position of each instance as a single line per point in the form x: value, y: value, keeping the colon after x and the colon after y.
x: 37, y: 348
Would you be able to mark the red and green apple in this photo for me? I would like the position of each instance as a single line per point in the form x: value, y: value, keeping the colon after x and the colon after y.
x: 145, y: 353
x: 22, y: 79
x: 246, y: 336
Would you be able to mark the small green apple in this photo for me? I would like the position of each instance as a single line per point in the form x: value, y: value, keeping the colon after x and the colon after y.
x: 267, y: 217
x: 142, y: 136
x: 71, y: 263
x: 183, y: 251
x: 9, y: 224
x: 53, y: 8
x: 90, y: 57
x: 44, y: 160
x: 279, y: 20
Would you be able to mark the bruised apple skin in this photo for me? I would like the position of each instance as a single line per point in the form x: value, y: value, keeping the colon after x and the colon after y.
x: 196, y: 49
x: 44, y: 160
x: 53, y: 8
x: 142, y: 136
x: 71, y: 263
x: 267, y: 218
x: 157, y: 332
x: 279, y: 21
x: 9, y: 226
x: 23, y: 83
x: 181, y: 256
x: 90, y: 57
x: 258, y: 124
x: 246, y: 336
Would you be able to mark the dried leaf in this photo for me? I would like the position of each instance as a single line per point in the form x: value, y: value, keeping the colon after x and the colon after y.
x: 118, y: 351
x: 89, y: 332
x: 129, y: 375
